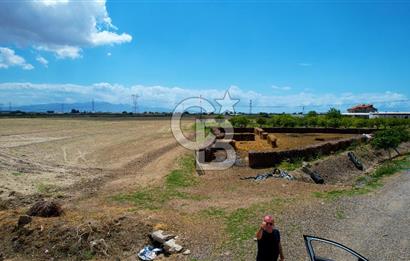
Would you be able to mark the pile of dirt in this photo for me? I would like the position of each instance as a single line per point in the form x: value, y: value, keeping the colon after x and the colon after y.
x: 339, y: 169
x: 59, y: 239
x: 45, y: 209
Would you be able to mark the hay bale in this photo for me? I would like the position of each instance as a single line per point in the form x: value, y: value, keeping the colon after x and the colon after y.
x: 45, y: 209
x: 264, y: 135
x: 272, y: 140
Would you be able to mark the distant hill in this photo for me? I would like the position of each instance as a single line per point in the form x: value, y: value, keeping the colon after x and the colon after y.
x: 87, y: 107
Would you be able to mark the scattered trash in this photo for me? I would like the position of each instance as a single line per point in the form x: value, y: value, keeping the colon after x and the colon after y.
x: 306, y: 164
x: 358, y: 164
x: 160, y: 237
x: 149, y: 253
x: 172, y: 247
x: 45, y: 209
x: 186, y: 252
x: 274, y: 173
x: 367, y: 136
x: 167, y: 241
x: 314, y: 175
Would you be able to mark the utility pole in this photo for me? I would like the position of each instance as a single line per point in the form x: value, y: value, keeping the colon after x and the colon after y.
x: 92, y: 106
x: 62, y: 108
x: 135, y: 102
x: 250, y: 107
x: 200, y: 106
x: 9, y: 106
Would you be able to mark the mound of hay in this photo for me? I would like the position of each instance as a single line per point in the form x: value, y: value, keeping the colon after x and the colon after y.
x: 45, y: 209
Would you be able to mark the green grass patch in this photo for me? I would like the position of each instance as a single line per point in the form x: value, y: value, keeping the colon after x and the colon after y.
x: 213, y: 212
x: 88, y: 255
x: 17, y: 174
x: 340, y: 214
x: 369, y: 183
x: 291, y: 165
x: 242, y: 223
x: 157, y: 197
x: 184, y: 176
x: 47, y: 189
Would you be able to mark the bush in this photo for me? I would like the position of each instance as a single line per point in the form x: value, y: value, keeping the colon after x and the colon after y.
x: 261, y: 121
x: 389, y: 139
x: 311, y: 114
x: 239, y: 121
x: 333, y: 113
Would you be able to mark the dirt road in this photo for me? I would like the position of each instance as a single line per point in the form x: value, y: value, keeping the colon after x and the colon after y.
x: 375, y: 225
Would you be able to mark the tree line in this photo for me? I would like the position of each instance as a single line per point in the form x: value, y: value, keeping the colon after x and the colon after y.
x: 332, y: 119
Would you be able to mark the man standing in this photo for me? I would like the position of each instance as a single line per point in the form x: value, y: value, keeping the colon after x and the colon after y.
x: 269, y: 246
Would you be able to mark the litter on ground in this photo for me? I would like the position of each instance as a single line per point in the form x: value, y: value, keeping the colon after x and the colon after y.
x: 149, y: 253
x: 274, y: 173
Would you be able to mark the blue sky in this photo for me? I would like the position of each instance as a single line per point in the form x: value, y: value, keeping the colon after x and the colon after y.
x: 277, y: 54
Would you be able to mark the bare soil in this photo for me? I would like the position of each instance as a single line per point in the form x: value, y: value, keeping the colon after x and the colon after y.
x: 83, y: 164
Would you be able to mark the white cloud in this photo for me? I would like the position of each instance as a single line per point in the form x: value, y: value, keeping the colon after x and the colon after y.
x: 9, y: 58
x: 62, y: 27
x: 62, y: 52
x: 42, y: 60
x: 109, y: 54
x: 105, y: 37
x: 281, y: 88
x: 305, y: 64
x: 167, y: 97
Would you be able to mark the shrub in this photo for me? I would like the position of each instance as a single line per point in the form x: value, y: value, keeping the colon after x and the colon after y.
x: 239, y: 121
x: 333, y: 113
x: 261, y: 121
x: 386, y: 139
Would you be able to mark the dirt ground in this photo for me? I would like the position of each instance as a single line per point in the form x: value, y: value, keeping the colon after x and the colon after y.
x: 85, y: 164
x: 288, y: 141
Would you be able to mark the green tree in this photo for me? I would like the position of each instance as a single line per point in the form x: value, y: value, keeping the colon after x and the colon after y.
x: 333, y: 113
x: 239, y: 121
x: 286, y: 120
x: 311, y: 114
x: 386, y: 139
x: 219, y: 117
x: 261, y: 121
x: 346, y: 122
x: 333, y: 122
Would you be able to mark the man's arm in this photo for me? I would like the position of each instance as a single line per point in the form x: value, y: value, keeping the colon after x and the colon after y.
x: 281, y: 256
x: 259, y: 233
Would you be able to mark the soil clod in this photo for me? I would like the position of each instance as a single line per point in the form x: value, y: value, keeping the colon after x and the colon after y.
x: 45, y: 209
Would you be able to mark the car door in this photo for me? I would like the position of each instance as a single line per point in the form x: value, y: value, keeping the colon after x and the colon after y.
x: 320, y: 249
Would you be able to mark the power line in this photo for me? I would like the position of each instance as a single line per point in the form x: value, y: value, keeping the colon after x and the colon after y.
x: 135, y: 102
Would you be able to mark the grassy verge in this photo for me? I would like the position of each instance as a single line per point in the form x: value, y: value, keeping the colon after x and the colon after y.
x: 369, y: 183
x: 241, y: 224
x: 175, y: 181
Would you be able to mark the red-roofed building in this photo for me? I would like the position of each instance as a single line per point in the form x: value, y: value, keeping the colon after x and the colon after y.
x: 362, y: 108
